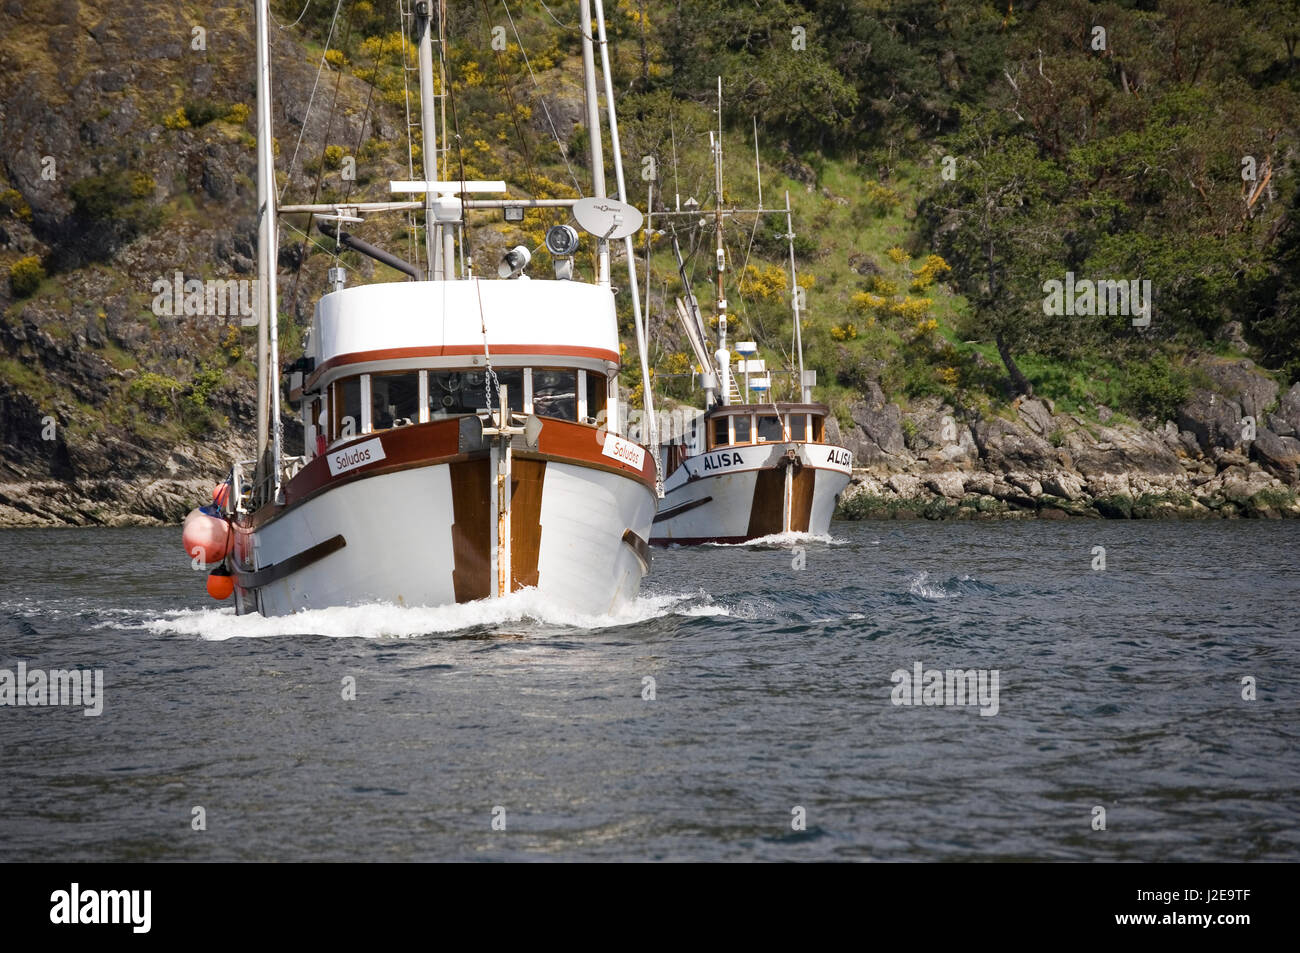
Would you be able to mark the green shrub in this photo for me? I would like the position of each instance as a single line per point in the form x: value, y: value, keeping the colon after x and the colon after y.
x: 26, y: 276
x: 1153, y: 388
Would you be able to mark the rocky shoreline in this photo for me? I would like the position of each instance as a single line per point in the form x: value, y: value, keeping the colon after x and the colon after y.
x: 1234, y: 451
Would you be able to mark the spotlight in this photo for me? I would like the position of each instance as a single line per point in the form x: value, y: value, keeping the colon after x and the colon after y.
x: 561, y: 241
x: 514, y: 262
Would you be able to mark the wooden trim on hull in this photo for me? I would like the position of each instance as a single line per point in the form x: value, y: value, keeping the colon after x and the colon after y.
x: 803, y: 483
x: 471, y: 529
x: 682, y: 508
x: 450, y: 441
x: 664, y: 543
x: 766, y: 509
x: 459, y: 444
x: 269, y: 574
x: 638, y: 546
x: 527, y: 478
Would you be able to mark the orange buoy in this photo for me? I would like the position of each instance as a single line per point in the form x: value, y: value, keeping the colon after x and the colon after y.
x: 220, y: 494
x: 206, y: 536
x: 220, y: 586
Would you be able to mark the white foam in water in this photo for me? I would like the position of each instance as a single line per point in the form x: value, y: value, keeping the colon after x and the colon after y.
x: 786, y: 539
x: 919, y: 587
x: 385, y: 619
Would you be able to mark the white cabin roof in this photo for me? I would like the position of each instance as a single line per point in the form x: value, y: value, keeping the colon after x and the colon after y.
x: 443, y: 319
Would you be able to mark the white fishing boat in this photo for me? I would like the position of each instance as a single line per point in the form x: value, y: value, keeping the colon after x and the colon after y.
x: 463, y: 437
x: 746, y: 468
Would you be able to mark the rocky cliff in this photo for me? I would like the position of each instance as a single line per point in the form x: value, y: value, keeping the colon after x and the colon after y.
x: 1233, y: 451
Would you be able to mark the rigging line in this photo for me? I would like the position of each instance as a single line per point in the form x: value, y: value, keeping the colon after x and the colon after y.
x: 466, y: 251
x: 294, y: 23
x: 514, y: 115
x: 365, y: 117
x: 332, y: 252
x: 324, y: 144
x: 567, y: 26
x: 310, y: 99
x: 564, y: 153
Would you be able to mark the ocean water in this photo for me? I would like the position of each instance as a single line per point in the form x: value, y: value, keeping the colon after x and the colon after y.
x: 772, y: 733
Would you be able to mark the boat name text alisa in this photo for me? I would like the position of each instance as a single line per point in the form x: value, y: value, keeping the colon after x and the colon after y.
x: 725, y: 459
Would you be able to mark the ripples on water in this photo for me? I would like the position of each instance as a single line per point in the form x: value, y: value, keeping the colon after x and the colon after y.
x: 1119, y: 689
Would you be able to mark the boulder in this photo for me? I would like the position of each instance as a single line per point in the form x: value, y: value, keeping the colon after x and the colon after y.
x: 1215, y: 421
x: 1037, y: 417
x: 947, y: 483
x: 1006, y: 446
x: 1288, y: 409
x: 1279, y: 454
x: 1065, y: 485
x: 905, y: 485
x: 1254, y: 391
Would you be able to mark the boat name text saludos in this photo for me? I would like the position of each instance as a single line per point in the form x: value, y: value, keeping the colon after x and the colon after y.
x: 363, y: 453
x: 624, y: 451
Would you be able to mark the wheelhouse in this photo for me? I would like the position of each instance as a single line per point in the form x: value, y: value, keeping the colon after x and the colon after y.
x: 748, y: 424
x: 463, y: 350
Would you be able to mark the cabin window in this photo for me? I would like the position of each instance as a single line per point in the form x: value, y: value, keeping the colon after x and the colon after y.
x: 512, y: 379
x: 769, y: 429
x: 597, y: 388
x: 346, y: 403
x: 819, y: 429
x: 468, y: 392
x: 555, y: 393
x: 720, y: 438
x: 743, y: 427
x: 394, y: 399
x: 798, y: 426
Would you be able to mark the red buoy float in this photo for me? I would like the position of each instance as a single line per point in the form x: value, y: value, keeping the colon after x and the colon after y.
x: 220, y: 585
x: 220, y: 494
x: 206, y: 536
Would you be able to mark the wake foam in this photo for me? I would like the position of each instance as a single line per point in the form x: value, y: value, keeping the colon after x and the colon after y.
x: 527, y: 608
x: 783, y: 541
x: 951, y: 588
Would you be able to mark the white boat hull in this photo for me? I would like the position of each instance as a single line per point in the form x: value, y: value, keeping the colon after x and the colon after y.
x: 748, y: 492
x: 431, y: 533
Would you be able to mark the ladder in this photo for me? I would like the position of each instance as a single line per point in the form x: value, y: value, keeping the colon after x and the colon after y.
x: 736, y: 396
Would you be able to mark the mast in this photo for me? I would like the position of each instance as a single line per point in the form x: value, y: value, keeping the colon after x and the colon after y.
x: 268, y: 350
x: 429, y: 141
x: 723, y: 355
x: 651, y: 430
x: 593, y: 130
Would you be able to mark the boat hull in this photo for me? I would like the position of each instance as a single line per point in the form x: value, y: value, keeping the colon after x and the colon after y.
x: 422, y: 525
x: 748, y: 492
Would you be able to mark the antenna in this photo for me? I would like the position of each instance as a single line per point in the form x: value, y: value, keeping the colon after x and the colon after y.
x: 805, y: 389
x: 677, y: 189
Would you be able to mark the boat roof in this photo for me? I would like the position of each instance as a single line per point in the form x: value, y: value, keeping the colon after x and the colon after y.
x: 407, y: 321
x: 782, y: 407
